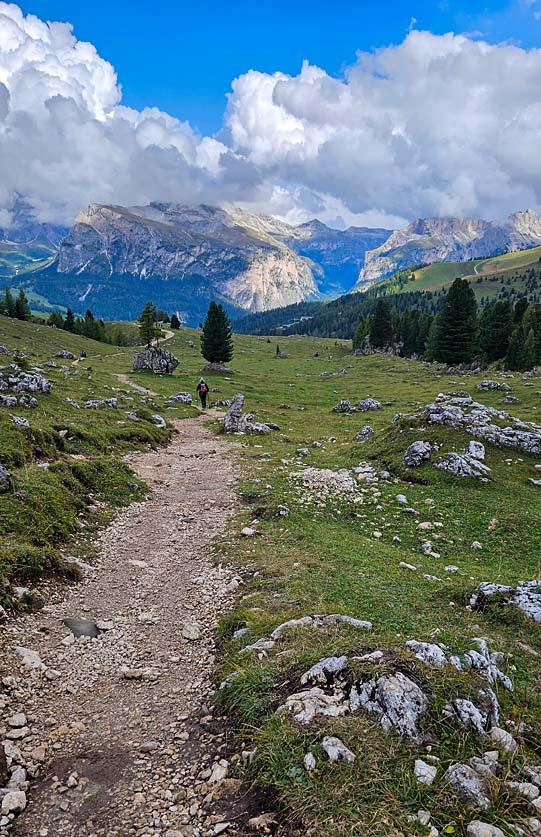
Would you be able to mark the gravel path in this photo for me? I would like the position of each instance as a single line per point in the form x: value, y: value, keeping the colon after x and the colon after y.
x: 116, y: 730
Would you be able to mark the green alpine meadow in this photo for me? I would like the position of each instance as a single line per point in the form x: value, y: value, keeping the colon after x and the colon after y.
x: 330, y: 521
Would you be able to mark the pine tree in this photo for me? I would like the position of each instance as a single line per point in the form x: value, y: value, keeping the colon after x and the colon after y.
x: 495, y: 327
x: 529, y: 352
x: 216, y: 341
x: 9, y: 303
x: 425, y: 323
x: 148, y: 328
x: 431, y: 341
x: 69, y: 323
x: 520, y: 309
x: 515, y: 352
x: 175, y: 322
x: 22, y: 308
x: 381, y: 326
x: 56, y: 319
x: 456, y: 333
x: 360, y: 333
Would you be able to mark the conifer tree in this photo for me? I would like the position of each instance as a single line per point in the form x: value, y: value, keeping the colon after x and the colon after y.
x: 425, y: 323
x: 216, y: 340
x: 148, y: 328
x: 431, y: 341
x: 360, y: 333
x: 456, y: 332
x: 22, y: 308
x: 69, y: 323
x: 56, y: 319
x: 381, y: 326
x: 175, y: 322
x: 529, y: 352
x: 520, y: 309
x: 496, y: 324
x: 9, y: 303
x: 515, y: 352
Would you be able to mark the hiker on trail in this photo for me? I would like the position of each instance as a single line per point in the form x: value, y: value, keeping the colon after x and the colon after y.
x: 202, y: 391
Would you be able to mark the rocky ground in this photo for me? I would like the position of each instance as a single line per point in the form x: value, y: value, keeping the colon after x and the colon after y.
x: 113, y: 732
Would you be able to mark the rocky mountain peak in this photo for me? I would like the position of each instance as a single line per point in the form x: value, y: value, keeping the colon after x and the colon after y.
x: 429, y: 240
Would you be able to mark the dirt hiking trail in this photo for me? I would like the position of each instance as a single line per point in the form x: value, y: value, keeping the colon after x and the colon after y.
x: 118, y: 723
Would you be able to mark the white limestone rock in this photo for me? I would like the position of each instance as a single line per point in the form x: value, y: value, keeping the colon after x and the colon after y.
x: 337, y: 750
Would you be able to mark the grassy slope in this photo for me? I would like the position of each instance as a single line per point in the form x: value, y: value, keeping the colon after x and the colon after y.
x: 326, y: 559
x: 19, y: 259
x: 437, y: 276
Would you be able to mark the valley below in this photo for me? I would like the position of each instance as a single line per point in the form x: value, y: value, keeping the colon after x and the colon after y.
x: 287, y: 633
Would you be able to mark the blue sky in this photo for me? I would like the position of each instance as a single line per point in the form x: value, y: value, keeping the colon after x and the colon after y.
x: 381, y: 112
x: 182, y: 57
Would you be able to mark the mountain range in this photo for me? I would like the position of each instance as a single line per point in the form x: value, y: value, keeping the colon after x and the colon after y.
x: 430, y: 240
x: 115, y: 258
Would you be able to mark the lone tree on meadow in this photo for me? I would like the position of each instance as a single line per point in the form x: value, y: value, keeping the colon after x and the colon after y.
x: 148, y: 327
x: 216, y: 340
x: 456, y: 325
x: 175, y: 322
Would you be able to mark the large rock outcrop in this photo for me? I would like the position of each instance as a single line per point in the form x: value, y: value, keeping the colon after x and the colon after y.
x: 156, y: 360
x: 486, y: 423
x: 235, y: 421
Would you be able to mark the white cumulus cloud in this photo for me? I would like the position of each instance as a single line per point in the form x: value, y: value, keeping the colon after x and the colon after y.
x: 436, y: 125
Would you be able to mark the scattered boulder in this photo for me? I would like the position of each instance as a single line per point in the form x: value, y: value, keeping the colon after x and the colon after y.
x: 425, y: 773
x: 96, y: 403
x: 6, y: 480
x: 467, y: 714
x: 218, y: 369
x: 19, y: 381
x: 81, y: 627
x: 20, y: 421
x: 325, y: 670
x: 366, y: 404
x: 326, y: 482
x: 428, y: 652
x: 65, y: 354
x: 156, y: 360
x: 396, y: 700
x: 29, y: 658
x: 502, y: 740
x: 526, y: 596
x: 304, y: 706
x: 235, y: 421
x: 309, y: 762
x: 337, y: 750
x: 364, y: 433
x: 159, y: 421
x: 483, y: 829
x: 319, y: 621
x: 476, y: 450
x: 493, y: 385
x: 463, y: 413
x: 343, y: 407
x: 472, y: 789
x: 463, y: 465
x: 13, y: 802
x: 180, y: 398
x: 417, y: 453
x: 191, y: 631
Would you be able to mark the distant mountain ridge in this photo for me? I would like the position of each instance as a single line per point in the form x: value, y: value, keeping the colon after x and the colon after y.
x: 114, y: 258
x: 430, y: 240
x: 183, y: 256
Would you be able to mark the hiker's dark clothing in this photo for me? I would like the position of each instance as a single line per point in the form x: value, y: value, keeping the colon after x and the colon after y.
x: 202, y: 390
